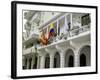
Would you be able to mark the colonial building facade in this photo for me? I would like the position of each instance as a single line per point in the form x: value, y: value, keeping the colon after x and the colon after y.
x: 69, y: 47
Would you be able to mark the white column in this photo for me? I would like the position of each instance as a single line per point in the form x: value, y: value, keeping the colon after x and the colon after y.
x: 38, y: 62
x: 42, y: 62
x: 51, y: 51
x: 62, y: 61
x: 71, y: 22
x: 57, y: 26
x: 65, y: 20
x: 32, y: 63
x: 51, y: 60
x: 61, y: 49
x: 76, y: 58
x: 57, y: 29
x: 41, y: 59
x: 23, y: 61
x: 66, y: 24
x: 27, y: 63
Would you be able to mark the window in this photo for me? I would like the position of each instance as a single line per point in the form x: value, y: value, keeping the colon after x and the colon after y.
x: 29, y: 45
x: 82, y: 60
x: 61, y: 26
x: 47, y: 61
x: 85, y: 56
x: 57, y: 60
x: 85, y: 19
x: 53, y: 13
x: 35, y: 62
x: 30, y: 61
x: 69, y: 58
x: 71, y: 61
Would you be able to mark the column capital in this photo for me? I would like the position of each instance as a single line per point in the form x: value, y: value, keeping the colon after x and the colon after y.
x: 61, y: 48
x: 42, y: 52
x: 50, y: 50
x: 72, y: 44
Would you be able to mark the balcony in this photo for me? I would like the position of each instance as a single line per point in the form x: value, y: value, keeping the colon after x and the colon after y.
x: 79, y: 30
x: 32, y: 38
x: 29, y: 50
x: 74, y: 34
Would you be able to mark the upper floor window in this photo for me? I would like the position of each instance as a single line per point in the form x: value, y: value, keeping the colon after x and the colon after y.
x: 61, y: 25
x: 53, y: 13
x: 85, y: 19
x: 29, y: 45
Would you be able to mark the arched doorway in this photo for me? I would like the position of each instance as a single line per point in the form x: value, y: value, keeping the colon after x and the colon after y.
x: 35, y: 62
x: 69, y: 58
x: 47, y: 61
x: 71, y: 61
x: 82, y: 60
x: 30, y: 61
x: 57, y: 60
x: 85, y: 56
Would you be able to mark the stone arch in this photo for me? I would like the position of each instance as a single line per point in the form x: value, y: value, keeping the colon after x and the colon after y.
x: 68, y: 48
x: 57, y: 60
x: 47, y: 61
x: 69, y: 58
x: 85, y: 55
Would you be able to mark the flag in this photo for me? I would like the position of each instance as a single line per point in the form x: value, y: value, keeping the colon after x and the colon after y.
x: 51, y: 32
x: 51, y: 28
x: 43, y: 39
